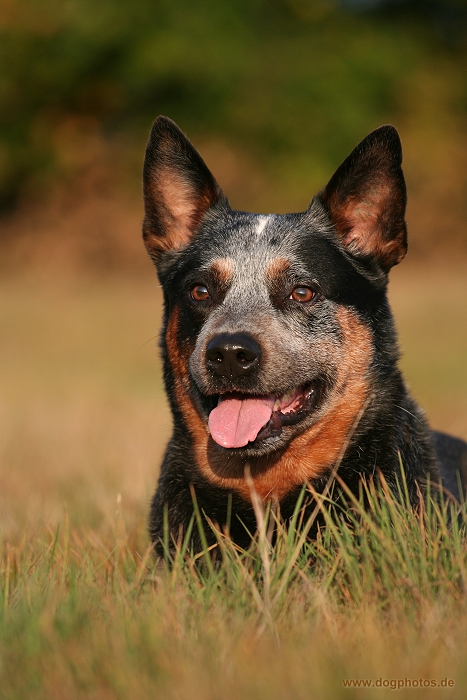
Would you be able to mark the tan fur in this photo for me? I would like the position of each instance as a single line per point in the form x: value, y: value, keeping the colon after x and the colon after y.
x: 181, y: 210
x: 310, y: 454
x: 222, y: 269
x: 276, y: 268
x: 359, y: 223
x: 179, y: 363
x: 175, y: 199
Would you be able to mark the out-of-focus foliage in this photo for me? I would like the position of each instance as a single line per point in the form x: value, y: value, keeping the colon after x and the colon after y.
x: 294, y: 82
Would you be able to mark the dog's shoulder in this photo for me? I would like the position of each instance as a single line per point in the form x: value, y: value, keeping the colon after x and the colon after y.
x: 451, y: 457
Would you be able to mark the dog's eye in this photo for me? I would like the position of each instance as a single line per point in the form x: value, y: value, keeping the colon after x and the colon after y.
x: 302, y: 294
x: 199, y: 293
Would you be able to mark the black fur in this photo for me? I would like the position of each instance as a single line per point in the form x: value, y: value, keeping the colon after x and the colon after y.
x: 341, y: 250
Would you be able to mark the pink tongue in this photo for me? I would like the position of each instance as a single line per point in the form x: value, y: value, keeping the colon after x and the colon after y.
x: 236, y: 422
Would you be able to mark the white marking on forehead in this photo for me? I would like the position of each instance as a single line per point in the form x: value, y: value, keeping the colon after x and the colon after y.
x: 262, y: 221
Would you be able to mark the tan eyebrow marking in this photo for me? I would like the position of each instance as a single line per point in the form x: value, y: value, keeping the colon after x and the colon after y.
x: 222, y: 268
x: 276, y: 268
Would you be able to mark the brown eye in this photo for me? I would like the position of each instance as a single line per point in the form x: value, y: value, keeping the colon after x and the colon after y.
x: 199, y: 293
x: 302, y: 294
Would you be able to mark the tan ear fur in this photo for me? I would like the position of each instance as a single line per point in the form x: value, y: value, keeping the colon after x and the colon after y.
x: 178, y: 190
x: 366, y: 199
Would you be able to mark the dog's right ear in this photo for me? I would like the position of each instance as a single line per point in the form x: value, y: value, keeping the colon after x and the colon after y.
x: 178, y: 189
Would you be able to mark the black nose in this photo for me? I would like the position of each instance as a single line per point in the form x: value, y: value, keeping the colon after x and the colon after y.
x: 232, y: 354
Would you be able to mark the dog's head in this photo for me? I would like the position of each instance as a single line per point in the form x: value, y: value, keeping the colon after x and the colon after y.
x: 274, y: 323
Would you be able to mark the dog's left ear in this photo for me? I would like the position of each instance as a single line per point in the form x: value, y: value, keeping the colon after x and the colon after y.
x: 178, y: 190
x: 366, y: 199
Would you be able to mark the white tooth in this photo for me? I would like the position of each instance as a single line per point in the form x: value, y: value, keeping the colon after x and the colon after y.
x: 277, y: 405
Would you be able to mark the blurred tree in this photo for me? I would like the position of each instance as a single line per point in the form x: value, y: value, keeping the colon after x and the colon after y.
x: 285, y: 79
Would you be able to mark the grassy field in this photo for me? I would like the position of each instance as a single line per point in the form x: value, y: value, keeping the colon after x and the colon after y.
x: 84, y: 614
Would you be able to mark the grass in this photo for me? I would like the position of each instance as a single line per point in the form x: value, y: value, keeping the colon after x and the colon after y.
x: 85, y: 613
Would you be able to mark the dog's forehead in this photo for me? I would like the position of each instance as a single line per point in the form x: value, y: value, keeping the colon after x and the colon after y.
x: 255, y: 247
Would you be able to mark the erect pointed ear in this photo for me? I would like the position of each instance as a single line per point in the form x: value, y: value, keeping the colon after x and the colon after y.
x: 366, y: 199
x: 178, y: 189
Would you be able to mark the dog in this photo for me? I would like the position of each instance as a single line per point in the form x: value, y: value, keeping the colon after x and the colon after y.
x: 279, y: 347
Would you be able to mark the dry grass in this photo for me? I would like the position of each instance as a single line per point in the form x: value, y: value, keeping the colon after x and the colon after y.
x: 82, y: 409
x: 429, y: 303
x: 83, y: 428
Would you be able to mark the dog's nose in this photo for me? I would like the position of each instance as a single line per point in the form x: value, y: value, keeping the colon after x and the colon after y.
x: 232, y: 355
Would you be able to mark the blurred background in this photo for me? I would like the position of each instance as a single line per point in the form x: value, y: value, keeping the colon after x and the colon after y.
x: 274, y: 93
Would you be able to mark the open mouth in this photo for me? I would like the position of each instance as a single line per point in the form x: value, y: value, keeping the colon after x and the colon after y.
x: 241, y: 418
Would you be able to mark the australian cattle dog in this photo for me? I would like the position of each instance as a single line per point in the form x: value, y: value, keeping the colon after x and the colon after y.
x: 279, y: 347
